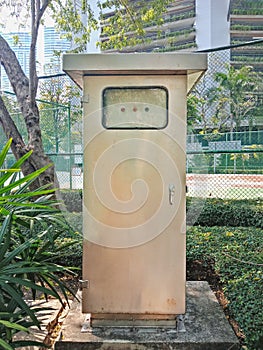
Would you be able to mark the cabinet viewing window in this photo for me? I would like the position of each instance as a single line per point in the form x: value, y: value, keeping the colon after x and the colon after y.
x: 135, y: 107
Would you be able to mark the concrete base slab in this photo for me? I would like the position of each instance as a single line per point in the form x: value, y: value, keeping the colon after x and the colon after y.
x: 206, y: 328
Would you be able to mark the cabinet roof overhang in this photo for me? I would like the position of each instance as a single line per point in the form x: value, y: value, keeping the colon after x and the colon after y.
x: 79, y: 66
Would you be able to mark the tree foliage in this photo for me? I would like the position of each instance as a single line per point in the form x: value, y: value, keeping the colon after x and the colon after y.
x: 237, y: 89
x: 229, y: 103
x: 128, y: 20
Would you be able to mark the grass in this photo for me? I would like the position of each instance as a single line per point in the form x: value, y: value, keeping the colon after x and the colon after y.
x: 251, y: 193
x: 221, y: 191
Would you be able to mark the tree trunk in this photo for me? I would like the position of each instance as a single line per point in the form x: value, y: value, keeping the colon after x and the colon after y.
x: 30, y: 112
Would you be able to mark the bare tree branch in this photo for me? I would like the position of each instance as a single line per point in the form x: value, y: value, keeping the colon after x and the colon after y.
x: 20, y: 84
x: 43, y: 8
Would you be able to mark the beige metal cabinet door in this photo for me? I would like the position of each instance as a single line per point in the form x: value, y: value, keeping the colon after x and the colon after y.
x: 134, y: 196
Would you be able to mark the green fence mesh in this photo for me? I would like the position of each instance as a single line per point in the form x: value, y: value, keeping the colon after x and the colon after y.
x: 223, y: 160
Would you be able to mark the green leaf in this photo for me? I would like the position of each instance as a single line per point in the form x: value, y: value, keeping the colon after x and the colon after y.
x: 27, y: 179
x: 11, y: 170
x: 21, y: 303
x: 5, y: 345
x: 13, y: 326
x: 4, y: 152
x: 15, y: 166
x: 27, y: 195
x: 15, y: 253
x: 5, y: 236
x: 30, y: 284
x: 30, y: 267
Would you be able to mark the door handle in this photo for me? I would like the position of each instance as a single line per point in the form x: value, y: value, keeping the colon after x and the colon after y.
x: 171, y: 193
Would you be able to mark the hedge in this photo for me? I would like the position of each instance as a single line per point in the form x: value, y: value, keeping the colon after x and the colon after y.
x: 215, y: 212
x: 219, y: 212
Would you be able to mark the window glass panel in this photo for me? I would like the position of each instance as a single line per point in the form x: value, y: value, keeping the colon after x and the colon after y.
x: 135, y: 108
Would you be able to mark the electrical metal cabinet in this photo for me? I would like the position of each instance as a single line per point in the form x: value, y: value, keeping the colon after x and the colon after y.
x: 134, y: 229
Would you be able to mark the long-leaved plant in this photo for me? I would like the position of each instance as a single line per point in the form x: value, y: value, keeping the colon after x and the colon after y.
x: 30, y: 226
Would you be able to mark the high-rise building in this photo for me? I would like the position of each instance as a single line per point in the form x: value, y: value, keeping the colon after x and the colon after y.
x: 246, y: 20
x: 20, y: 44
x: 54, y: 45
x: 176, y: 33
x: 224, y: 27
x: 188, y: 25
x: 192, y: 25
x: 51, y: 60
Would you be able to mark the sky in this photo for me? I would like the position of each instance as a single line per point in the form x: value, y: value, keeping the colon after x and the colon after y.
x: 11, y: 23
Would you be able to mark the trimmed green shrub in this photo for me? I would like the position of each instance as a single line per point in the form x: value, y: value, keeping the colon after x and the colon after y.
x: 219, y: 212
x: 215, y: 212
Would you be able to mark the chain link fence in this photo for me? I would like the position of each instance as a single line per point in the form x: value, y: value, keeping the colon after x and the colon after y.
x: 224, y: 157
x: 225, y: 149
x: 229, y: 164
x: 220, y: 169
x: 226, y: 169
x: 61, y: 127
